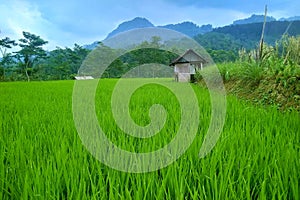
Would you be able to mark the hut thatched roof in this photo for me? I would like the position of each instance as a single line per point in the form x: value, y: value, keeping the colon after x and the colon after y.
x: 190, y: 56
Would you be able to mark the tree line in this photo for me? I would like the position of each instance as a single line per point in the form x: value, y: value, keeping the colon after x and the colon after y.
x: 32, y: 62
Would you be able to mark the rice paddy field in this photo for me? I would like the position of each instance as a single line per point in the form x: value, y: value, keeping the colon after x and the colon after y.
x: 42, y: 156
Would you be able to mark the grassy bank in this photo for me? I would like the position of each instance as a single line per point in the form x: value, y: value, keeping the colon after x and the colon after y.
x: 272, y: 79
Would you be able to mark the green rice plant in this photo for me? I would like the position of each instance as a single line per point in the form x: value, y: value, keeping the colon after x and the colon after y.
x: 42, y: 156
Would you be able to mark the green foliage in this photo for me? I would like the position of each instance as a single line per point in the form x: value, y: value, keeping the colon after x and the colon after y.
x: 290, y: 49
x: 251, y: 74
x: 144, y: 53
x: 218, y: 41
x: 229, y: 71
x: 220, y: 56
x: 248, y: 35
x: 274, y: 79
x: 139, y: 57
x: 224, y: 43
x: 31, y: 51
x: 33, y: 62
x: 6, y: 43
x: 2, y: 71
x: 41, y: 156
x: 221, y: 47
x: 6, y: 59
x: 62, y: 63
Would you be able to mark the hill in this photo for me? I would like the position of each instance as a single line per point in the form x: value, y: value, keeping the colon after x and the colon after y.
x: 137, y: 22
x: 248, y: 35
x: 188, y: 28
x: 223, y: 43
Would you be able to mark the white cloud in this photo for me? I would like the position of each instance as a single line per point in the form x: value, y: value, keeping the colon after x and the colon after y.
x: 23, y: 16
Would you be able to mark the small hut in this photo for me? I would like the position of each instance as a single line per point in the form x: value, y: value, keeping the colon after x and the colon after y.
x: 185, y: 66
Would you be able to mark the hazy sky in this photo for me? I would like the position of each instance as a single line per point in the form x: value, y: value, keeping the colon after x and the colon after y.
x: 65, y: 22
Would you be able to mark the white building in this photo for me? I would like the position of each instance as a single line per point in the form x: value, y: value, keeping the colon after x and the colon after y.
x: 83, y: 77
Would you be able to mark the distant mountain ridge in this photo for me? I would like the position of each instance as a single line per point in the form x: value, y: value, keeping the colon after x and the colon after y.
x: 260, y: 18
x: 137, y: 22
x: 254, y: 19
x: 188, y: 28
x: 246, y: 31
x: 296, y: 18
x: 248, y: 35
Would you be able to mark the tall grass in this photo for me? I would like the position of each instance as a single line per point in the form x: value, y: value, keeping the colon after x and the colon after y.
x: 274, y: 79
x: 42, y: 157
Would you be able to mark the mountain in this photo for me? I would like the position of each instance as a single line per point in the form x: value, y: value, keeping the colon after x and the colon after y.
x: 243, y: 33
x: 189, y: 28
x: 137, y: 22
x: 296, y: 18
x: 254, y: 19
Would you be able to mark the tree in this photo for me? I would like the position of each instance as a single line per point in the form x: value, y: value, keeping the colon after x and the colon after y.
x: 5, y: 43
x: 31, y: 51
x: 56, y: 66
x: 1, y: 72
x: 76, y: 56
x: 63, y: 63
